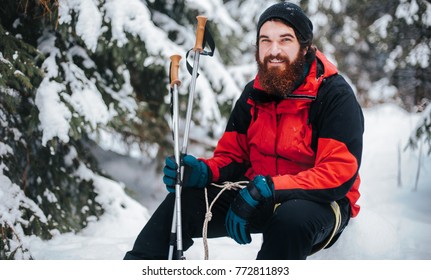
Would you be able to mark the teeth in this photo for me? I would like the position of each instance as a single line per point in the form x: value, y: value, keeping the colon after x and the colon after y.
x: 276, y: 60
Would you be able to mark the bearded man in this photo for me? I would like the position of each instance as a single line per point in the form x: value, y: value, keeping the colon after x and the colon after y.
x: 295, y: 134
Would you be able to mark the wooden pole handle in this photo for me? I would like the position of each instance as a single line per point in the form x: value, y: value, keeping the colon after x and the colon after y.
x: 175, y: 65
x: 200, y: 30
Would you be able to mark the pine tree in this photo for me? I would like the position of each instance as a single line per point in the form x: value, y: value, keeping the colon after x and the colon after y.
x: 41, y: 193
x: 62, y: 88
x: 408, y: 62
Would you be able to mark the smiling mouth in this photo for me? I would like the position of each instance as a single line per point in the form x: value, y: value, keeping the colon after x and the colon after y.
x: 276, y: 61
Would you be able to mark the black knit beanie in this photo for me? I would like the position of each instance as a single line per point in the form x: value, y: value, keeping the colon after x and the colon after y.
x: 291, y: 14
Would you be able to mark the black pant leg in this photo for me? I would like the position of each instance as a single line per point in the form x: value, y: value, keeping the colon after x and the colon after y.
x: 294, y: 228
x: 153, y: 240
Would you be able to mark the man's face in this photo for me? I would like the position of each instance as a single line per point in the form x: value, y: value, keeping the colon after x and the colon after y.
x: 280, y: 58
x: 277, y: 44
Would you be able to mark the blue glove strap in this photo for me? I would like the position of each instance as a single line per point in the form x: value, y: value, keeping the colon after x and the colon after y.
x: 241, y: 207
x: 247, y: 197
x: 260, y: 188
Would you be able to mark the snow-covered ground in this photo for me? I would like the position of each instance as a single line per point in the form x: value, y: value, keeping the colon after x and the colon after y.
x: 394, y: 222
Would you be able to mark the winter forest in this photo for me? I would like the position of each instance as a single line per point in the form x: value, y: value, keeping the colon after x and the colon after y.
x: 84, y: 82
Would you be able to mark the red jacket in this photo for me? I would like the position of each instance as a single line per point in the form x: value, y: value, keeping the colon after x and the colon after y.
x: 310, y: 142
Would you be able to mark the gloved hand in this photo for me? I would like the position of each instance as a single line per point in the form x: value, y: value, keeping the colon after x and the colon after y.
x: 245, y: 205
x: 195, y: 173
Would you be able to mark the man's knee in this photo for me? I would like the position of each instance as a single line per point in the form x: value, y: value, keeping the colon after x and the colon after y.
x: 294, y: 217
x: 294, y: 228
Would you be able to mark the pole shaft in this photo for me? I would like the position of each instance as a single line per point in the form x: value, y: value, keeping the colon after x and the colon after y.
x: 176, y: 220
x: 190, y: 102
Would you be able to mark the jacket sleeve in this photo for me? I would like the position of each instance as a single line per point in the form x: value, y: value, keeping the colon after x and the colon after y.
x: 339, y: 126
x: 231, y: 156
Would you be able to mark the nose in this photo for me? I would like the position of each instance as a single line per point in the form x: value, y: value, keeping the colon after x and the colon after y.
x: 274, y: 49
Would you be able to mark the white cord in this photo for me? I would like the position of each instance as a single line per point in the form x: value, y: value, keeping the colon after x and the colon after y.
x: 208, y: 214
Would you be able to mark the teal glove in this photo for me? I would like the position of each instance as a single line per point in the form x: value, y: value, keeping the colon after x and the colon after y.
x: 195, y: 173
x: 245, y: 205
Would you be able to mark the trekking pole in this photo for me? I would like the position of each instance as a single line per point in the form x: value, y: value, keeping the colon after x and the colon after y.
x: 176, y: 220
x: 176, y: 228
x: 198, y: 48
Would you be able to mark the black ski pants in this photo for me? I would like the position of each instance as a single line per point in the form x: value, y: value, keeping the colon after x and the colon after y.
x: 296, y: 228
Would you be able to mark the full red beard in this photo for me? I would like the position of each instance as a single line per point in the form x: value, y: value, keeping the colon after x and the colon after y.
x: 280, y: 82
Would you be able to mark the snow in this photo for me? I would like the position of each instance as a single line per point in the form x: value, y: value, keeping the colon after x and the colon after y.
x: 380, y: 26
x: 124, y: 19
x: 54, y: 116
x: 407, y: 10
x: 13, y: 198
x: 89, y: 24
x: 382, y: 90
x: 217, y: 12
x: 393, y: 223
x: 420, y: 55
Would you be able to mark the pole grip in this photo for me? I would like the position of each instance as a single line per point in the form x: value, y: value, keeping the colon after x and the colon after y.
x: 200, y: 30
x: 175, y: 65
